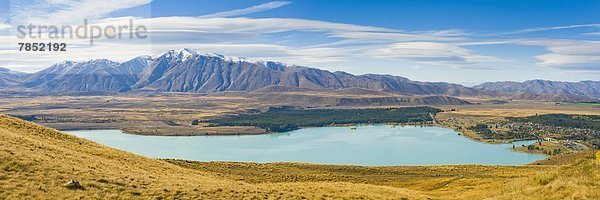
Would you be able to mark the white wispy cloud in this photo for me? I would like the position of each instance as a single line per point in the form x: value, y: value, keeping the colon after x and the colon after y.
x: 435, y: 53
x: 353, y: 40
x: 4, y: 20
x: 60, y: 12
x: 330, y: 43
x: 253, y: 26
x: 257, y: 38
x: 249, y: 10
x: 580, y: 72
x: 447, y: 32
x: 551, y: 28
x: 593, y: 34
x: 568, y: 54
x: 4, y: 26
x: 569, y: 61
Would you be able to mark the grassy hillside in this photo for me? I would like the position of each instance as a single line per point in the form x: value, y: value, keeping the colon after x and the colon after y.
x: 37, y: 162
x: 544, y: 180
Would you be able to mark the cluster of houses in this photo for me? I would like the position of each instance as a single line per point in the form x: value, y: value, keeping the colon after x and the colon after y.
x: 572, y: 138
x: 573, y: 145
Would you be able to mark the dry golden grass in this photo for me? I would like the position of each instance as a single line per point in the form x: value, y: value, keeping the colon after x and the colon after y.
x: 36, y: 162
x: 520, y: 109
x: 435, y: 179
x: 127, y: 110
x: 563, y: 159
x: 538, y: 181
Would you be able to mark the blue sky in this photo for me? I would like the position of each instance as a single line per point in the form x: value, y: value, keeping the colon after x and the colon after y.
x: 465, y: 42
x: 489, y: 15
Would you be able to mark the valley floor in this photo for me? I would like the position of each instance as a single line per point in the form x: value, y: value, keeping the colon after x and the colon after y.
x: 172, y: 114
x: 161, y: 113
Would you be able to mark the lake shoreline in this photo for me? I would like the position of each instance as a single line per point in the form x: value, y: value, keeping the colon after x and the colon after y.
x: 194, y: 131
x: 190, y: 131
x: 339, y: 145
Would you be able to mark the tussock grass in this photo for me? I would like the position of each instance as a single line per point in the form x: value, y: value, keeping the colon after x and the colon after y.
x: 36, y: 163
x: 546, y: 180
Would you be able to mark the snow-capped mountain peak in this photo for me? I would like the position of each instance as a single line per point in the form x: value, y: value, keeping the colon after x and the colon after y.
x: 184, y: 54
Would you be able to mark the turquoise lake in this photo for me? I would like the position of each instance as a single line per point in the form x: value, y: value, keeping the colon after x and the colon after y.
x: 374, y: 145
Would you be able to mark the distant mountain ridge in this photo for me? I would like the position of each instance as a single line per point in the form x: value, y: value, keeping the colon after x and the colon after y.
x: 545, y: 87
x: 9, y: 78
x: 345, y: 97
x: 99, y: 75
x: 189, y: 71
x: 186, y: 70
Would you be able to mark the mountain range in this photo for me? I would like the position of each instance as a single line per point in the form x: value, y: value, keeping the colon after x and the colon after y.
x: 581, y: 88
x: 186, y: 70
x: 9, y: 78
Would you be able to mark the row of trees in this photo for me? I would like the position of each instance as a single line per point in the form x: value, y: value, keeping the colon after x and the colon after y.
x: 286, y: 119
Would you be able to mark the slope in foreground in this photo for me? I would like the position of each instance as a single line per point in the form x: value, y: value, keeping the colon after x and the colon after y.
x: 36, y: 162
